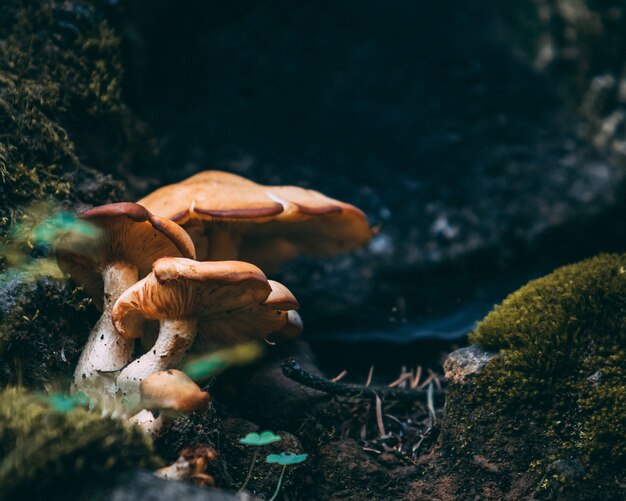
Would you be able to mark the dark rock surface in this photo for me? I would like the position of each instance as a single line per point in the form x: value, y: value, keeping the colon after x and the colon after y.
x: 43, y: 326
x: 420, y: 114
x: 64, y: 129
x: 144, y: 485
x: 266, y: 396
x: 582, y: 44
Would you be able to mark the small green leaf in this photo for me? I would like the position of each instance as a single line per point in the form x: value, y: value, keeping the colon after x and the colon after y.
x: 209, y: 365
x: 204, y: 368
x: 48, y: 230
x: 286, y: 458
x: 263, y: 438
x: 61, y: 402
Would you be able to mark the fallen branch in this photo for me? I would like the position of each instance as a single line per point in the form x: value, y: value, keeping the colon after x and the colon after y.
x: 292, y: 369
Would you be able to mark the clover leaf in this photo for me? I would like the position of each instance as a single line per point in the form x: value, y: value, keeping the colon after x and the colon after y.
x: 259, y: 439
x: 286, y: 458
x: 212, y: 364
x: 263, y: 438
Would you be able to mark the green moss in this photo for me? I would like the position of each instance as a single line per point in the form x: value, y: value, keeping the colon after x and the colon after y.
x: 48, y: 452
x: 61, y: 107
x: 558, y: 388
x: 43, y: 327
x: 64, y: 124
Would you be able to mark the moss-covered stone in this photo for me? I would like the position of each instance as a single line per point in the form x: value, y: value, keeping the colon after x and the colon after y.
x: 48, y: 452
x: 64, y: 128
x: 557, y: 391
x: 43, y: 327
x: 60, y: 96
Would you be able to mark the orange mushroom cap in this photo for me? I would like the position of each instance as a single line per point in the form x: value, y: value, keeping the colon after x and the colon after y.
x: 233, y: 301
x: 276, y: 222
x: 129, y: 233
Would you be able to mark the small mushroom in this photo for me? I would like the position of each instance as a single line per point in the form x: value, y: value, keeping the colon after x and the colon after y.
x: 230, y: 217
x: 294, y: 326
x: 227, y: 302
x: 190, y: 465
x: 292, y: 330
x: 129, y: 239
x: 169, y: 393
x: 172, y: 392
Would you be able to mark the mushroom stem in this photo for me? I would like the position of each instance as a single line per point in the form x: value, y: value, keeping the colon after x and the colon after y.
x: 169, y: 350
x: 149, y: 424
x: 106, y: 352
x: 223, y: 244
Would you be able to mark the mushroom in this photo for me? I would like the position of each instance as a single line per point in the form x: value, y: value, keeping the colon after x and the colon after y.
x: 294, y: 326
x: 190, y: 465
x: 172, y: 392
x: 129, y: 239
x: 169, y: 393
x: 227, y: 302
x: 148, y: 422
x: 230, y: 217
x: 292, y: 330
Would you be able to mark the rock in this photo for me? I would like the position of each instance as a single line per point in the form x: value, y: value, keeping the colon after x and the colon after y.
x: 43, y: 326
x: 595, y: 378
x: 144, y: 485
x: 263, y: 392
x: 533, y: 402
x: 571, y: 469
x: 465, y: 362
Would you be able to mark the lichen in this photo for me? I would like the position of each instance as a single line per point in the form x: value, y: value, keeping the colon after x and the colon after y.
x: 557, y: 391
x: 48, y: 452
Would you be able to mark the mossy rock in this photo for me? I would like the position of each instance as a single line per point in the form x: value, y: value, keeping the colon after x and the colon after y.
x: 557, y: 391
x: 60, y: 93
x: 44, y: 324
x: 65, y: 129
x: 53, y: 453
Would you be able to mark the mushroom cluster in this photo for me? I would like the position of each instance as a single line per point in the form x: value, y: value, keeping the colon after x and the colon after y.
x: 171, y: 259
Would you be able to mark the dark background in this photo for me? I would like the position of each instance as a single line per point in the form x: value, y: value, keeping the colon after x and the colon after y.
x: 438, y: 119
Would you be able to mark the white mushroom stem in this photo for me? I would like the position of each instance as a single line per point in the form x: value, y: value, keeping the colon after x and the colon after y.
x: 169, y: 350
x: 148, y: 423
x: 106, y: 352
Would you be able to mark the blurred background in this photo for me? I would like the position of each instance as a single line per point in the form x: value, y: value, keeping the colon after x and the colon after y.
x: 486, y: 140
